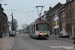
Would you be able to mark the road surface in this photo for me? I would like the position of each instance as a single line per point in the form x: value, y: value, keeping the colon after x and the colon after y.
x: 25, y: 42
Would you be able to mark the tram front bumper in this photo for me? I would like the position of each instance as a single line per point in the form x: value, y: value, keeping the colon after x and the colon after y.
x: 42, y: 34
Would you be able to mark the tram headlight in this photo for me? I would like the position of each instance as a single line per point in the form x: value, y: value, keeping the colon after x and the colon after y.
x: 40, y: 33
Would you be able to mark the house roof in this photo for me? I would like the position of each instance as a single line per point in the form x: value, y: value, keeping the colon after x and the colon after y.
x: 69, y: 2
x: 54, y: 9
x: 4, y: 14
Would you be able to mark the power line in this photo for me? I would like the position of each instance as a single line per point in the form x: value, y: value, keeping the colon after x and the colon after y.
x: 32, y: 7
x: 35, y: 9
x: 49, y: 4
x: 28, y: 12
x: 31, y: 14
x: 41, y: 2
x: 25, y: 8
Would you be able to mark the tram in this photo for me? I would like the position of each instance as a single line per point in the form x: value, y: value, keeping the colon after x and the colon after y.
x: 39, y: 29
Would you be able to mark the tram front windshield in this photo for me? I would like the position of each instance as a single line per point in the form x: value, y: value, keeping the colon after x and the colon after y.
x: 42, y: 27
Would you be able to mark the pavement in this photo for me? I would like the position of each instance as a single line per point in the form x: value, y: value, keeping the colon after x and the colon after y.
x: 57, y: 36
x: 6, y: 42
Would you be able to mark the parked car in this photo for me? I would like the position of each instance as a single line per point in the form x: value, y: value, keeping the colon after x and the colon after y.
x: 74, y: 39
x: 63, y: 34
x: 12, y: 33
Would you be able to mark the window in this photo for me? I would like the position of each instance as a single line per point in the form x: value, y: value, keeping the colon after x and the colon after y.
x: 36, y: 26
x: 70, y: 5
x: 63, y: 13
x: 70, y: 13
x: 73, y: 12
x: 43, y: 27
x: 54, y: 22
x: 57, y: 22
x: 67, y: 14
x: 62, y: 19
x: 67, y: 6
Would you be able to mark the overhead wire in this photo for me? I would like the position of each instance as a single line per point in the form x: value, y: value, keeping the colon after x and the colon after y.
x: 34, y: 10
x: 25, y: 8
x: 41, y: 2
x: 29, y: 8
x: 37, y: 7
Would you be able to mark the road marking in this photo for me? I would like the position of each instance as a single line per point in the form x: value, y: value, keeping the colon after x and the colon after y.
x: 63, y: 47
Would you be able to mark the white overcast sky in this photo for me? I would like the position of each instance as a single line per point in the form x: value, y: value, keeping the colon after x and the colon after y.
x: 24, y: 11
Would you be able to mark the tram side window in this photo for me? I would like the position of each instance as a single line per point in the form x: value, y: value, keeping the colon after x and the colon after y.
x: 36, y: 26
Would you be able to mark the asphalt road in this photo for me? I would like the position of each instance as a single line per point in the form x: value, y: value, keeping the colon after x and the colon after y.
x: 25, y: 42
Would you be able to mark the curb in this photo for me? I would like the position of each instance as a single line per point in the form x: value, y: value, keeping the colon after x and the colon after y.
x: 11, y: 45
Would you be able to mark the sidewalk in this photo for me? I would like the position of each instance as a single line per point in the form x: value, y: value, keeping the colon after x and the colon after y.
x: 6, y: 42
x: 57, y: 36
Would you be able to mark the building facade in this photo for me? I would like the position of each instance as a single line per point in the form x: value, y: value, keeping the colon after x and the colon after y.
x: 70, y: 16
x: 3, y: 21
x: 61, y: 16
x: 67, y: 17
x: 54, y: 22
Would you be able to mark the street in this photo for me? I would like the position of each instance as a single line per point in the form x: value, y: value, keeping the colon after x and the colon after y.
x: 25, y: 42
x: 37, y: 25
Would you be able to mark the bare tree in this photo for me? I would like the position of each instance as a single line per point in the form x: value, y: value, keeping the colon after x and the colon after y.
x: 15, y: 24
x: 24, y: 26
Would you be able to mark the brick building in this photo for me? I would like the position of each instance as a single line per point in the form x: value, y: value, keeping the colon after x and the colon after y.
x: 3, y: 21
x: 67, y: 16
x: 61, y: 16
x: 52, y: 17
x: 70, y: 16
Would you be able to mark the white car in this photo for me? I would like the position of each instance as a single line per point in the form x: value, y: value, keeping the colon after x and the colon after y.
x: 63, y: 34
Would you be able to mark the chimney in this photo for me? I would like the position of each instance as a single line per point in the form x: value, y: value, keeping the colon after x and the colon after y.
x: 50, y: 8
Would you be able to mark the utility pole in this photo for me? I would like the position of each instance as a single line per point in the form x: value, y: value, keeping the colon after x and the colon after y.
x: 39, y: 14
x: 60, y: 22
x: 12, y: 20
